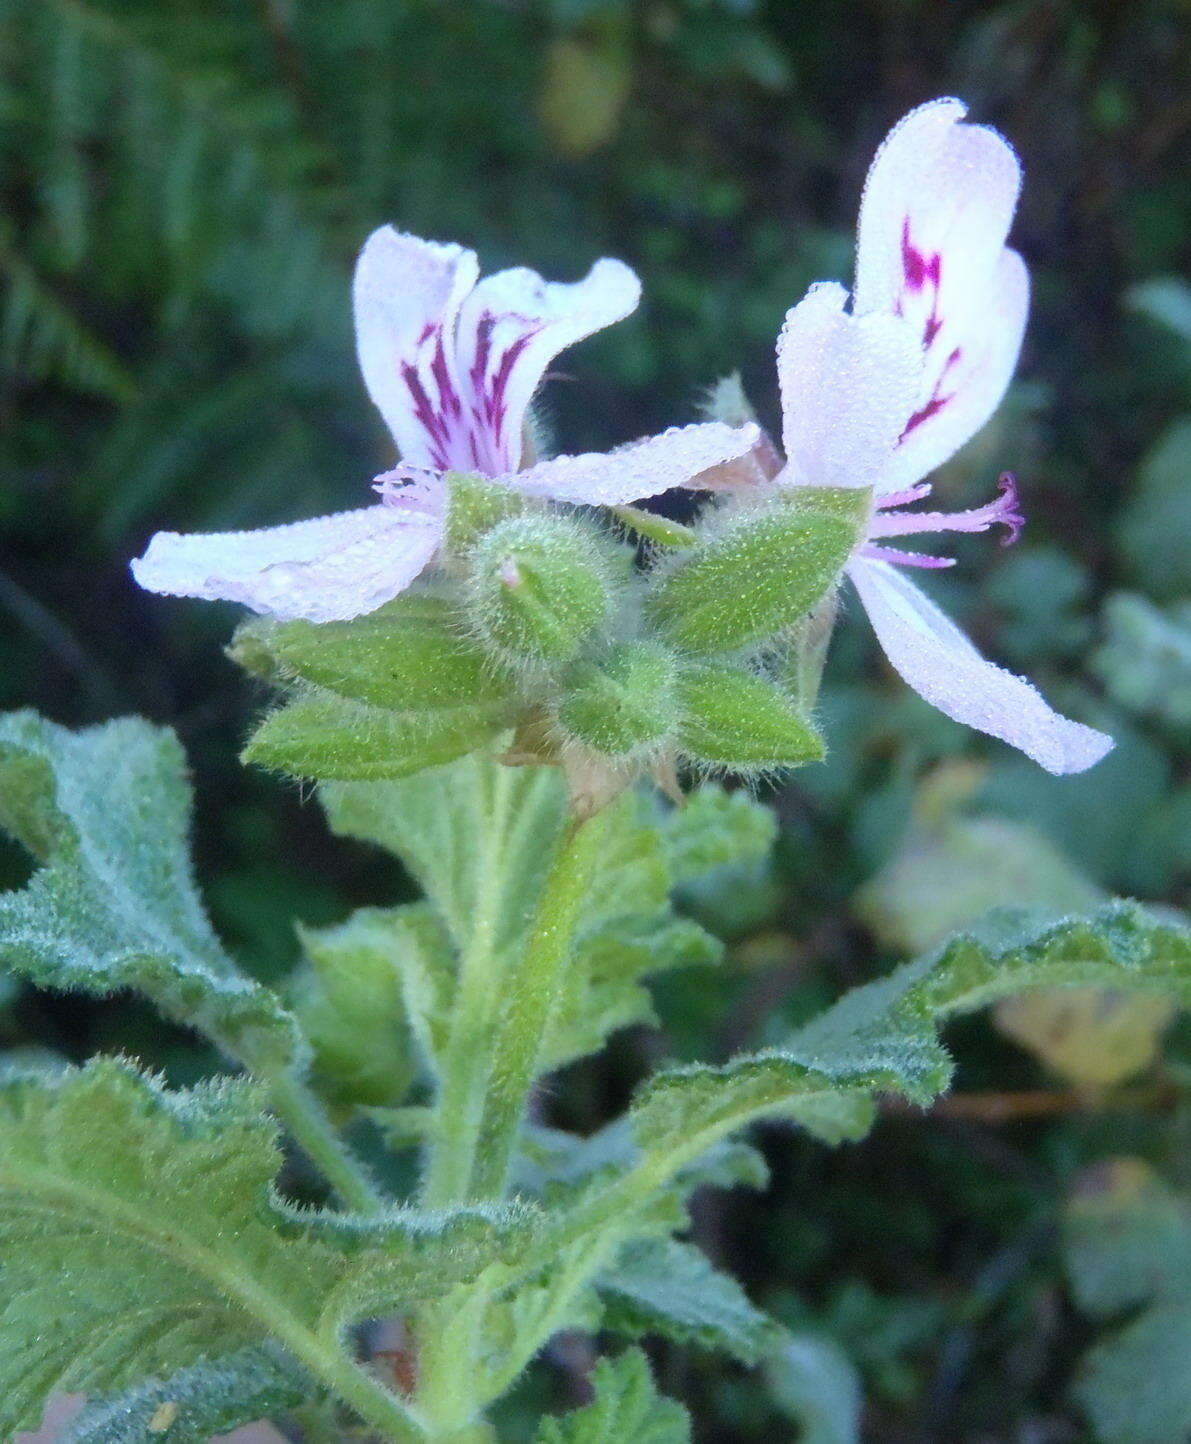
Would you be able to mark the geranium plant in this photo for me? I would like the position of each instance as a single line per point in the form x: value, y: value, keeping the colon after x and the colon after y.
x: 522, y: 685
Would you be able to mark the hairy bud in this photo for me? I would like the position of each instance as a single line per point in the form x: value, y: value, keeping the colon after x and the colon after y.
x: 540, y: 586
x: 624, y: 706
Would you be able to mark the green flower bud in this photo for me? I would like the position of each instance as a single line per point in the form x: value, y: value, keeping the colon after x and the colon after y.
x: 761, y: 572
x: 473, y: 506
x: 540, y: 587
x: 742, y: 722
x: 409, y: 656
x: 624, y: 706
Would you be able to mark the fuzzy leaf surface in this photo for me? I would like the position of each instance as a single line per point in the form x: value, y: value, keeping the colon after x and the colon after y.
x: 105, y: 812
x: 206, y: 1398
x: 139, y: 1234
x: 661, y: 1286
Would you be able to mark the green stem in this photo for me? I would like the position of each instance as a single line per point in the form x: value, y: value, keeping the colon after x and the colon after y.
x: 303, y: 1115
x: 466, y: 1058
x: 531, y: 992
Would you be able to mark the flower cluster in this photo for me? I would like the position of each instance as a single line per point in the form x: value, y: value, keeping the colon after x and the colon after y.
x: 876, y: 394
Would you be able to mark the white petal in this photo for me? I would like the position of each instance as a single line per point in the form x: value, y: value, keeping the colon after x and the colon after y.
x: 944, y: 189
x: 646, y: 468
x: 848, y: 384
x: 938, y: 661
x: 961, y: 398
x: 406, y: 294
x: 937, y: 207
x: 514, y: 324
x: 325, y: 570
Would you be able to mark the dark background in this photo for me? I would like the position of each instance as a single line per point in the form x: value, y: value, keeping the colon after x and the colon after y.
x: 183, y: 189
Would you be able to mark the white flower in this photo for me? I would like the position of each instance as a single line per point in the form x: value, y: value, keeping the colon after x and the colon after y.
x: 452, y: 363
x: 881, y: 395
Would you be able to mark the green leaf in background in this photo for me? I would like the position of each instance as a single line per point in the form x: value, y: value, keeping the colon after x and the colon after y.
x: 206, y: 1398
x: 716, y: 828
x: 1145, y: 658
x: 815, y: 1385
x: 105, y: 813
x: 661, y: 1286
x: 626, y: 1407
x: 1155, y: 523
x: 349, y: 1001
x: 140, y: 1234
x: 1127, y: 1239
x: 586, y: 84
x: 949, y: 869
x: 479, y: 837
x: 1166, y: 300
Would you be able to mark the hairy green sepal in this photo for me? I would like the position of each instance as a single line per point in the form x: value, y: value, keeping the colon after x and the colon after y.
x: 320, y: 735
x: 742, y: 722
x: 759, y: 572
x: 409, y: 656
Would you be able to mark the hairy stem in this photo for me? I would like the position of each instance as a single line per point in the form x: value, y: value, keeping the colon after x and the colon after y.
x: 531, y: 993
x: 467, y: 1055
x: 303, y: 1115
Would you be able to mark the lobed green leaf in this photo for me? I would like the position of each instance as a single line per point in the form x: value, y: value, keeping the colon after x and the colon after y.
x: 661, y: 1286
x: 626, y: 1406
x: 105, y: 813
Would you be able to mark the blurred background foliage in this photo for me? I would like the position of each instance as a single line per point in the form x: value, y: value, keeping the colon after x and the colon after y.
x: 183, y: 189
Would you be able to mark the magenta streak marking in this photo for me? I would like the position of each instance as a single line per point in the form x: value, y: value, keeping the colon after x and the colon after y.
x: 937, y: 400
x: 920, y: 271
x: 904, y: 559
x: 483, y: 350
x: 432, y: 423
x: 447, y: 395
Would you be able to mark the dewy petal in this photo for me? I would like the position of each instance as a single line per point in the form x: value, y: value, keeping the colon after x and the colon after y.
x: 325, y: 570
x: 513, y: 325
x: 974, y: 378
x: 935, y: 658
x: 848, y: 384
x: 936, y: 209
x: 406, y: 294
x: 646, y: 468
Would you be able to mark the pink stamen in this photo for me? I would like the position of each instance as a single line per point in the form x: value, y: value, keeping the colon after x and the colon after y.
x: 904, y: 498
x: 1001, y: 512
x: 414, y: 489
x: 904, y: 559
